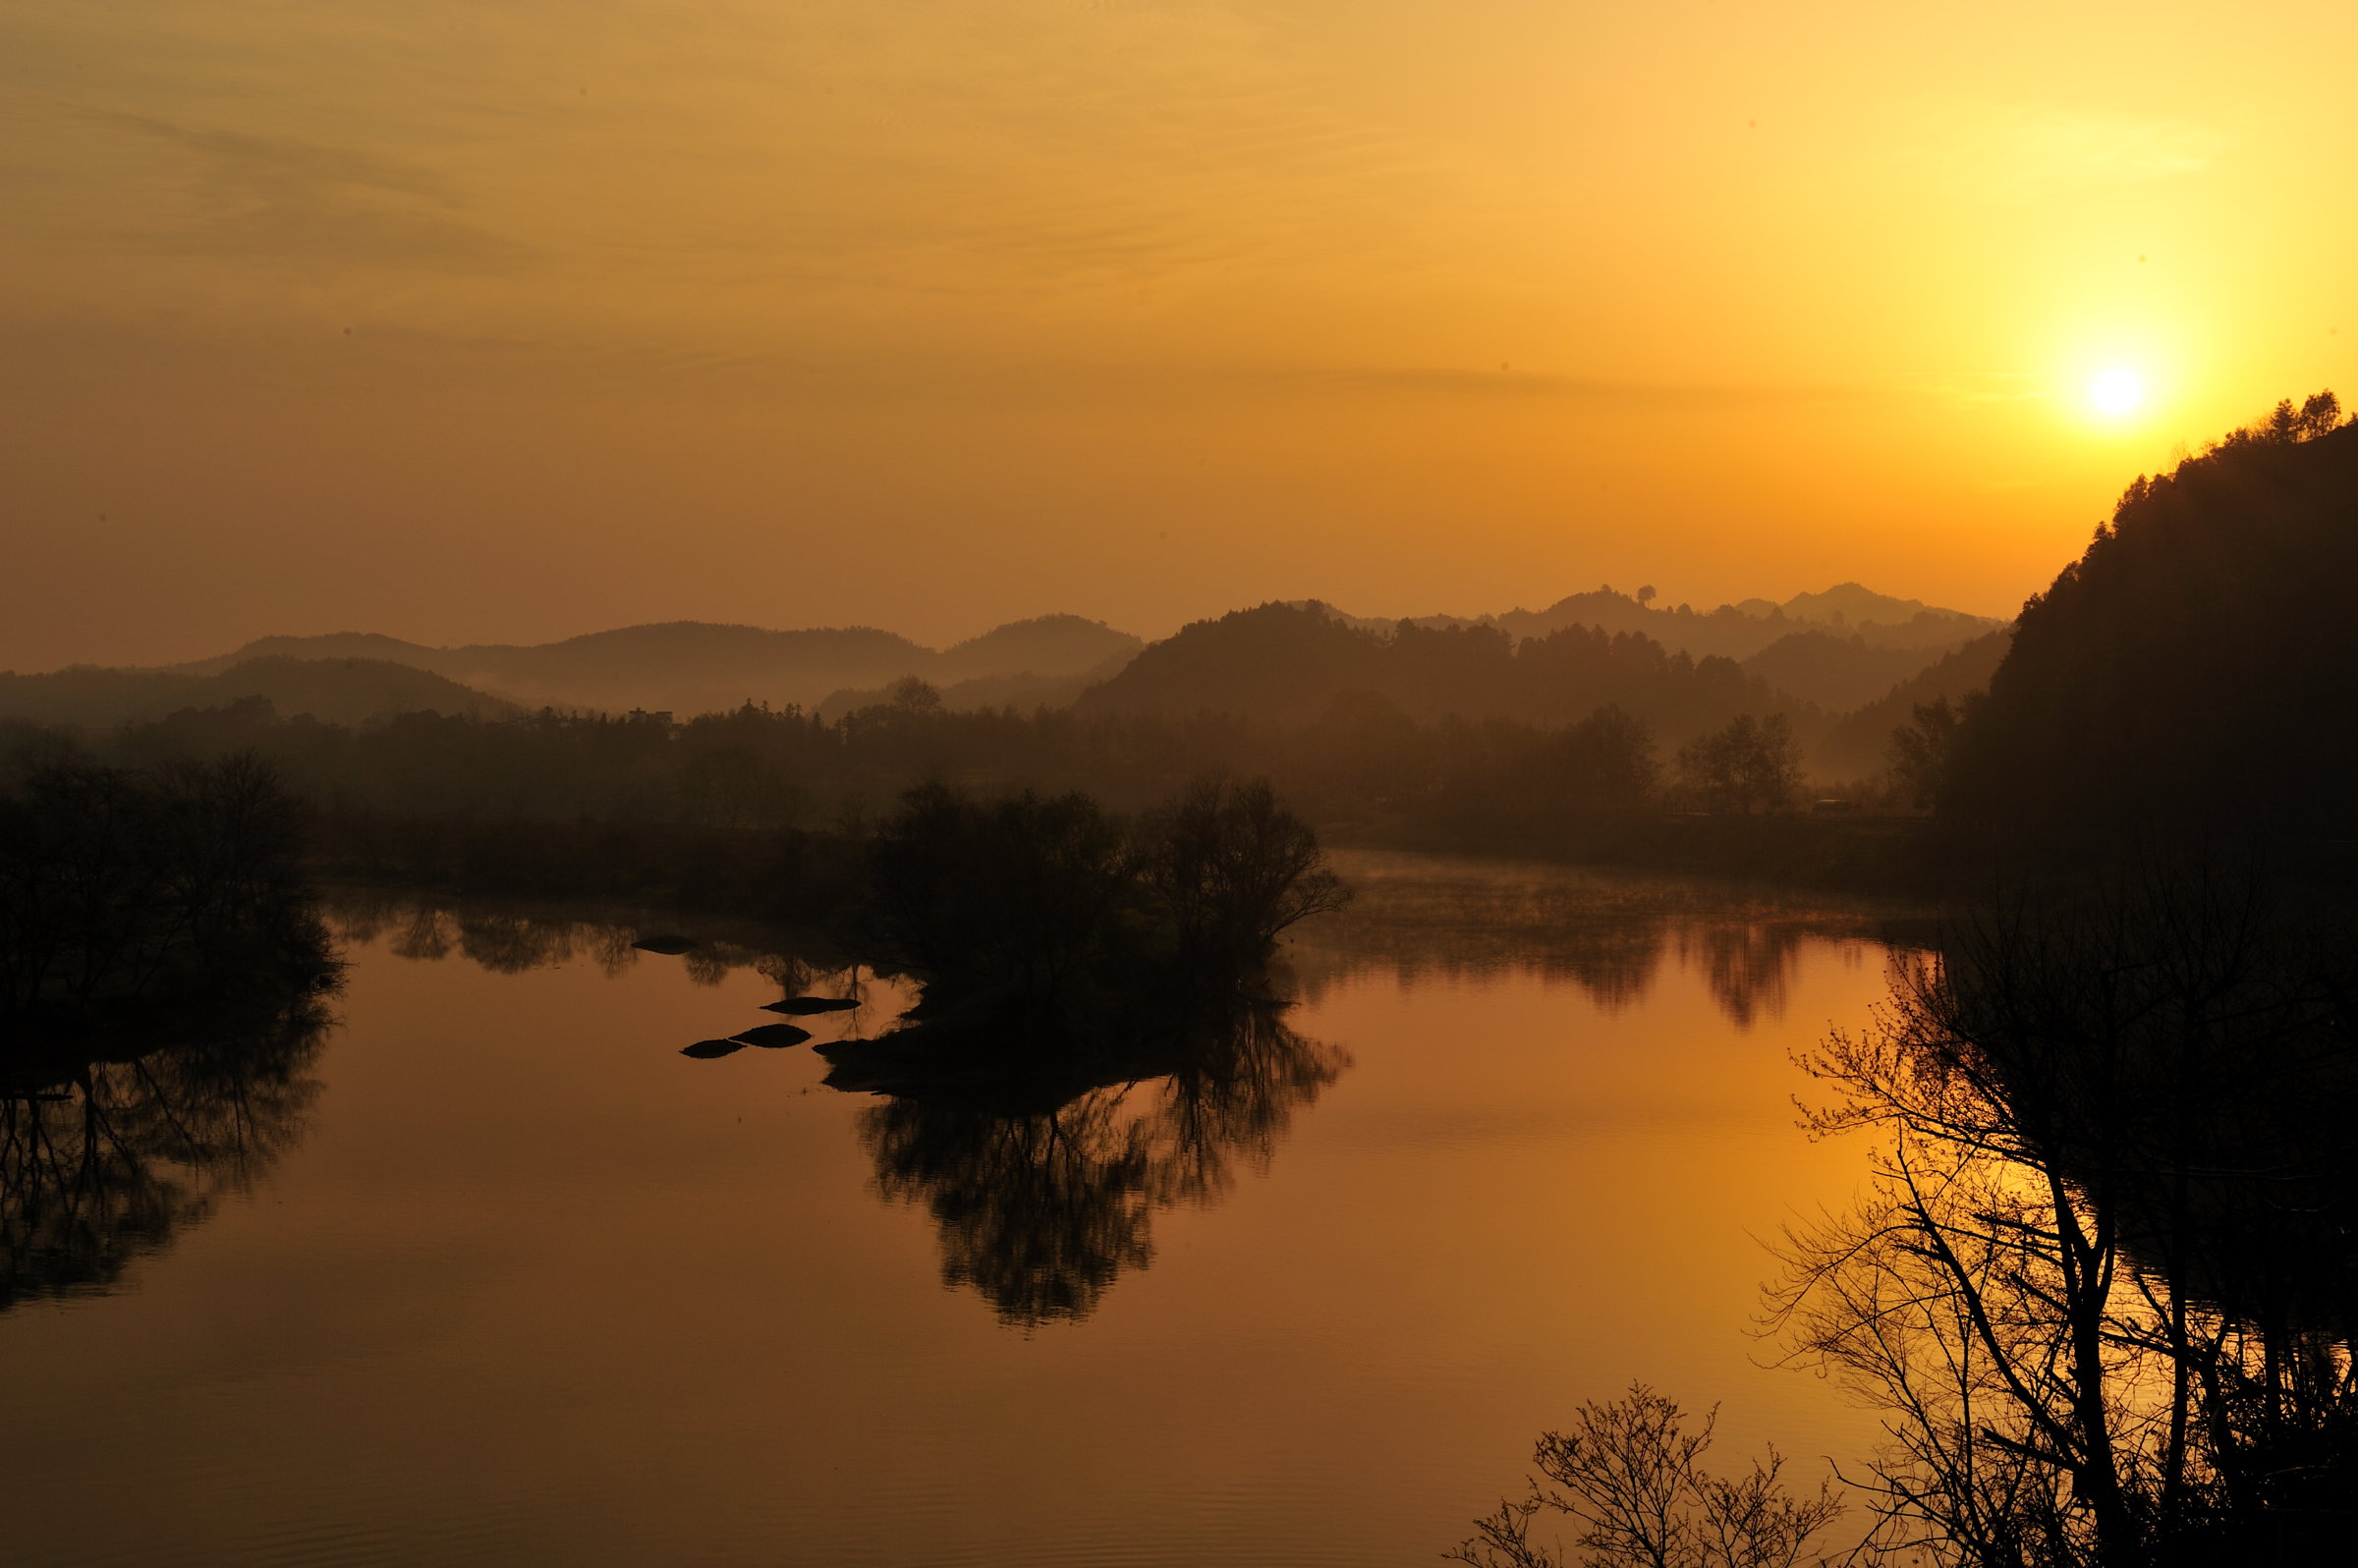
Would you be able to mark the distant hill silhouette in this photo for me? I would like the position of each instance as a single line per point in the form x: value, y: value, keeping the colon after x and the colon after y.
x: 1834, y: 649
x: 1739, y: 631
x: 334, y: 690
x: 1025, y: 692
x: 1302, y: 664
x: 2196, y: 664
x: 1858, y: 744
x: 696, y: 666
x: 1839, y: 673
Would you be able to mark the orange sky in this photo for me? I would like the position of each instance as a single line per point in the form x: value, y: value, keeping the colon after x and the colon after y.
x: 475, y: 322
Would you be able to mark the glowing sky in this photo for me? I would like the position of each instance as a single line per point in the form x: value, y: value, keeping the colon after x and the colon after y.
x: 509, y: 320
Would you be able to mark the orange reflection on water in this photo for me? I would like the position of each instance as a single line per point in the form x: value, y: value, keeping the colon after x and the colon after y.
x: 533, y: 1287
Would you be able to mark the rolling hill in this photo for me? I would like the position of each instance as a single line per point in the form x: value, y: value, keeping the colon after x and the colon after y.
x: 334, y: 690
x: 1303, y: 664
x: 695, y: 666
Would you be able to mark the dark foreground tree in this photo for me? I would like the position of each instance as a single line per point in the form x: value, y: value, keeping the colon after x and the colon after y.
x: 2101, y: 1283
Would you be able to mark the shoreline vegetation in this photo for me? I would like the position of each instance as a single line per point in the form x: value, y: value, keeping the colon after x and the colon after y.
x: 761, y: 815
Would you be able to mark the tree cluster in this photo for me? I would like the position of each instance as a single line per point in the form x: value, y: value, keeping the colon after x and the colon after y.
x: 1028, y: 896
x: 129, y: 886
x: 1750, y: 764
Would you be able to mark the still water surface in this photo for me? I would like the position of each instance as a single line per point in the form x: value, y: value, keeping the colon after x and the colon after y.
x: 526, y: 1285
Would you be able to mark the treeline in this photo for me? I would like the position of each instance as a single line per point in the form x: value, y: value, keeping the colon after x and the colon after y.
x: 124, y: 890
x: 1295, y: 664
x: 723, y: 812
x: 1361, y: 760
x: 566, y: 803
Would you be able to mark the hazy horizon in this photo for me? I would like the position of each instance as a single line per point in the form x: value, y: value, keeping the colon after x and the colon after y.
x: 502, y: 326
x: 1664, y: 602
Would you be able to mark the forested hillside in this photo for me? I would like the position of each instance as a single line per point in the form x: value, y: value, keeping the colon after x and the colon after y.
x: 2193, y: 669
x: 1297, y: 664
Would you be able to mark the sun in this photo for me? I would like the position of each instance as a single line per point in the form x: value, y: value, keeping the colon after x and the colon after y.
x: 2116, y: 393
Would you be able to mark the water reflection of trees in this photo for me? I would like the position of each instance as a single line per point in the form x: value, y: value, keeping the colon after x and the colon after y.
x: 510, y: 938
x: 109, y: 1150
x: 1043, y: 1183
x: 2104, y: 1279
x: 1608, y: 936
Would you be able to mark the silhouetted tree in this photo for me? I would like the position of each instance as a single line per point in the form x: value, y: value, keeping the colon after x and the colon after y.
x: 1231, y: 870
x: 1022, y: 892
x: 2098, y: 1286
x: 1750, y: 763
x: 1630, y: 1476
x: 1922, y: 749
x: 120, y: 885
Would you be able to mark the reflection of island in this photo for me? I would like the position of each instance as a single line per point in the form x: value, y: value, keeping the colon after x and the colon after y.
x: 1607, y: 933
x: 108, y: 1150
x: 1043, y: 1183
x: 510, y: 938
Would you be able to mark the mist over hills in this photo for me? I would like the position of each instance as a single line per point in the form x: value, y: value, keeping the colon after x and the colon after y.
x: 1846, y: 665
x: 696, y: 666
x: 334, y: 690
x: 1837, y: 672
x: 1854, y: 746
x: 693, y: 666
x: 1740, y: 630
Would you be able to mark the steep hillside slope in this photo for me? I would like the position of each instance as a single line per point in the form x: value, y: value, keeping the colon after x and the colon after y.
x: 2194, y: 669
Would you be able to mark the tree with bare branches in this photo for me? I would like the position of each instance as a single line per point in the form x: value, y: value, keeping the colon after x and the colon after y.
x: 1630, y: 1476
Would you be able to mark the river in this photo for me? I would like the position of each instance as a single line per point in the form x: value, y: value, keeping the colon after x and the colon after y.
x: 523, y: 1284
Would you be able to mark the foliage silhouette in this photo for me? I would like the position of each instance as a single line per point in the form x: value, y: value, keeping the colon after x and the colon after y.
x: 125, y: 892
x: 2101, y: 1283
x: 1747, y: 764
x: 2172, y: 679
x: 1630, y: 1476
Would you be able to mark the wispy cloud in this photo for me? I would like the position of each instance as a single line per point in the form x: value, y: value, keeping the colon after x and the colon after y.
x: 281, y: 196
